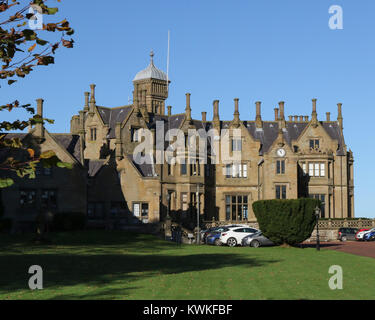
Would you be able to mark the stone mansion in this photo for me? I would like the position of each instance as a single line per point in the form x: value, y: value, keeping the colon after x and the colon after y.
x: 283, y: 158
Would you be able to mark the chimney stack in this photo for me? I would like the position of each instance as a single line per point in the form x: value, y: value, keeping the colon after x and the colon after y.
x: 169, y: 111
x: 204, y: 116
x: 258, y: 117
x: 281, y: 107
x: 300, y: 118
x: 236, y: 114
x: 92, y: 99
x: 216, y: 118
x: 290, y: 118
x: 307, y: 118
x: 39, y: 127
x: 328, y: 115
x: 339, y: 115
x: 276, y: 114
x: 296, y: 118
x: 188, y: 109
x: 314, y: 115
x: 87, y: 99
x: 282, y: 116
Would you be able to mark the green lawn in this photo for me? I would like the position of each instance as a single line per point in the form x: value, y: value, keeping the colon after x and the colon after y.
x: 119, y: 265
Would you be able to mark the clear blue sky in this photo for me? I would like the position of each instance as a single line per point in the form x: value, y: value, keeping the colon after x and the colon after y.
x: 269, y: 50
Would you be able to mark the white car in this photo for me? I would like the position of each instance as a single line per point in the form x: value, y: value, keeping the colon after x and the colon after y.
x: 360, y: 235
x: 234, y: 235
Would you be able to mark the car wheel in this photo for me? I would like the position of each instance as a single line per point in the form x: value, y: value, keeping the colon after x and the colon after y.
x: 231, y: 242
x: 343, y: 238
x: 255, y: 244
x: 217, y: 242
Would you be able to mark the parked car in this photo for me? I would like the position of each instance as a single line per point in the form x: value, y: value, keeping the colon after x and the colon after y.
x: 369, y: 235
x: 214, y: 238
x: 234, y: 235
x: 360, y: 235
x: 208, y: 231
x: 256, y: 240
x: 345, y: 234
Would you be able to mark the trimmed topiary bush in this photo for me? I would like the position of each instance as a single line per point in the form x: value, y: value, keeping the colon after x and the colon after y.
x: 286, y: 221
x: 68, y: 221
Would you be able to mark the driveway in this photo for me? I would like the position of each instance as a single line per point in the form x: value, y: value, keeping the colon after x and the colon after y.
x: 360, y: 248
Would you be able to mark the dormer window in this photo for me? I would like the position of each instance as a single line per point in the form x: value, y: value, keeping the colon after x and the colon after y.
x: 314, y: 144
x: 93, y: 134
x: 236, y: 144
x: 134, y: 135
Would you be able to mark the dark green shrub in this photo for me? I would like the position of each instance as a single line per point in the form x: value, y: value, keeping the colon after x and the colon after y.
x: 5, y: 224
x: 286, y: 221
x: 68, y: 221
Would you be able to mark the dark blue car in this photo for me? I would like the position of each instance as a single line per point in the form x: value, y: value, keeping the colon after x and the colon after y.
x: 214, y: 236
x: 369, y: 236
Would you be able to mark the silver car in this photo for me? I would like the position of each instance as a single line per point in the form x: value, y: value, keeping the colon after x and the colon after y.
x: 256, y: 240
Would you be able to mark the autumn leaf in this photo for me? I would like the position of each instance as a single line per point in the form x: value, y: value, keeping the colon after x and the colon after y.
x: 32, y: 47
x: 31, y: 153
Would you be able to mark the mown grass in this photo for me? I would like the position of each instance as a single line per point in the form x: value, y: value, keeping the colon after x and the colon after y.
x: 119, y: 265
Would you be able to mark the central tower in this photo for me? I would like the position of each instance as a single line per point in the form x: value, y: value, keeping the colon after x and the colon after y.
x: 150, y: 89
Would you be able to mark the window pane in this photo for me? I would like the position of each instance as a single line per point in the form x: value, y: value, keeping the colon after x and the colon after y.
x: 227, y: 199
x: 144, y: 209
x: 311, y: 144
x: 239, y: 199
x: 282, y: 166
x: 316, y: 169
x: 244, y: 199
x: 278, y: 166
x: 277, y: 192
x: 283, y: 192
x: 245, y: 170
x: 239, y: 212
x: 136, y: 209
x: 233, y: 212
x: 322, y: 170
x: 227, y: 212
x: 233, y: 199
x: 234, y: 170
x: 245, y: 211
x: 311, y: 169
x: 183, y: 168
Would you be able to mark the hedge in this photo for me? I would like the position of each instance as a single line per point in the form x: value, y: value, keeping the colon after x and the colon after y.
x: 286, y: 221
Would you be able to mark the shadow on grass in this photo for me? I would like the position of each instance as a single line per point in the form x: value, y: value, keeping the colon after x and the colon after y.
x: 107, y: 270
x: 96, y: 240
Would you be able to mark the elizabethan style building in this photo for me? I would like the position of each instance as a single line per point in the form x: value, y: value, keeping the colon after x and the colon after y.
x: 284, y: 158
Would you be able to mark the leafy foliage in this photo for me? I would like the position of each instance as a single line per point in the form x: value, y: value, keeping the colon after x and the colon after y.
x: 22, y: 49
x: 286, y: 221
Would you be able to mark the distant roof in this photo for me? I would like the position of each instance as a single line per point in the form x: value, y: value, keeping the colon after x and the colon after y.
x: 112, y: 116
x: 70, y: 142
x: 94, y: 166
x: 151, y: 72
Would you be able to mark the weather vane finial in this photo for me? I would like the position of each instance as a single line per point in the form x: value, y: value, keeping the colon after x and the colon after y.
x: 152, y: 56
